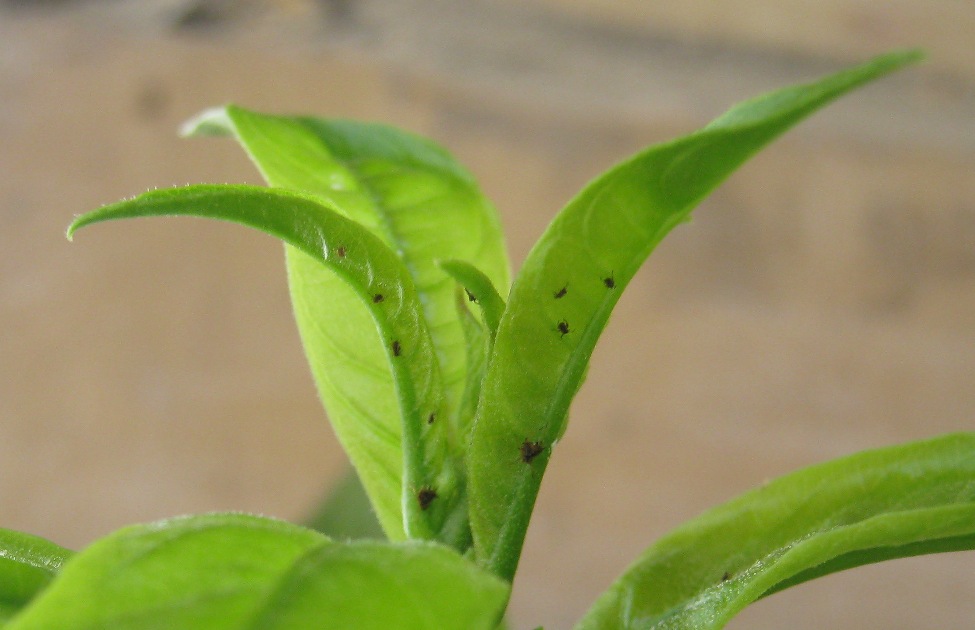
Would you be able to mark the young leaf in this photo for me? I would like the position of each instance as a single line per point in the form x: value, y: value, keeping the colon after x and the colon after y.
x: 571, y: 280
x: 479, y: 289
x: 876, y: 505
x: 240, y: 572
x: 320, y: 236
x: 27, y: 565
x: 405, y: 189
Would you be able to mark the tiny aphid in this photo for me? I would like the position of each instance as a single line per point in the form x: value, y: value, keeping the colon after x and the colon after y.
x: 376, y: 299
x: 425, y: 497
x: 564, y: 327
x: 341, y: 251
x: 530, y: 450
x: 432, y: 417
x: 610, y: 282
x: 561, y: 292
x: 396, y: 349
x: 471, y: 296
x: 726, y: 576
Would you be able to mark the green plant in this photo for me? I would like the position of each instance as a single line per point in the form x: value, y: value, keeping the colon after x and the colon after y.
x: 449, y: 399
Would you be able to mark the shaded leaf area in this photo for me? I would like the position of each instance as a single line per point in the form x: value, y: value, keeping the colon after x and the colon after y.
x: 563, y: 296
x: 479, y: 289
x: 241, y: 572
x: 346, y: 513
x: 400, y: 455
x: 27, y: 565
x: 474, y: 287
x: 415, y: 197
x: 876, y: 505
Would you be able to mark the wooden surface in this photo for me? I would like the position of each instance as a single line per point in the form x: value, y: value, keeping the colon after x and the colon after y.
x: 822, y: 302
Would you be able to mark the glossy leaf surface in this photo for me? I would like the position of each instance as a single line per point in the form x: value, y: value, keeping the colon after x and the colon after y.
x: 400, y: 454
x: 240, y: 572
x: 27, y: 565
x: 876, y: 505
x: 562, y: 298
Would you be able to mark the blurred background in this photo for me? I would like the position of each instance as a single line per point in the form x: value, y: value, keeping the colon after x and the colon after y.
x: 821, y: 302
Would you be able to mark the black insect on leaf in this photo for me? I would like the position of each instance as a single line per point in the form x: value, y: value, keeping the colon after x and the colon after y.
x: 558, y: 295
x: 376, y: 299
x: 471, y: 296
x: 397, y: 349
x: 425, y: 497
x: 431, y: 418
x: 564, y: 327
x: 610, y: 282
x: 530, y: 450
x: 341, y: 251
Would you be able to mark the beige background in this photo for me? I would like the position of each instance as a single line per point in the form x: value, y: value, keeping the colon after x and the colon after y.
x: 823, y: 301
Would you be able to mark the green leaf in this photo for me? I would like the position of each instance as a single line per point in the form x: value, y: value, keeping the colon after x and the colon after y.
x: 478, y: 289
x: 416, y: 198
x: 27, y: 565
x: 400, y: 456
x: 406, y: 190
x: 562, y: 298
x: 240, y: 572
x: 876, y: 505
x: 213, y: 571
x: 367, y: 584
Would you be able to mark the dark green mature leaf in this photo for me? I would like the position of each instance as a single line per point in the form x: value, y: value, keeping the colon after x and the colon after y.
x: 27, y: 564
x: 563, y: 296
x: 401, y: 452
x: 876, y: 505
x: 415, y: 197
x: 240, y: 572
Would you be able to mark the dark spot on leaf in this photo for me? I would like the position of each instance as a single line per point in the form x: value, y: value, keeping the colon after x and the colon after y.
x: 470, y: 296
x: 431, y: 418
x: 396, y: 349
x: 610, y: 282
x: 341, y: 251
x: 564, y: 327
x: 376, y: 299
x: 425, y: 497
x: 530, y: 450
x: 561, y: 292
x: 726, y: 576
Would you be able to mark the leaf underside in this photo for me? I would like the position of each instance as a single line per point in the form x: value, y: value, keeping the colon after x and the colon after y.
x: 323, y: 238
x: 876, y: 505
